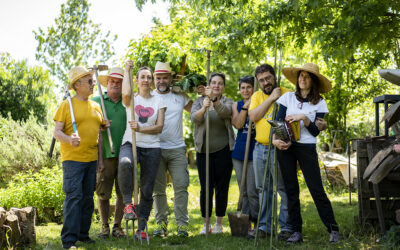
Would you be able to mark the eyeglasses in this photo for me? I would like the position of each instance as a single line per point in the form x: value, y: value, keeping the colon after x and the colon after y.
x: 265, y: 79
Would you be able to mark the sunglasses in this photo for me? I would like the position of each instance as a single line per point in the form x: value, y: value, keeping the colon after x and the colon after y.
x: 90, y: 81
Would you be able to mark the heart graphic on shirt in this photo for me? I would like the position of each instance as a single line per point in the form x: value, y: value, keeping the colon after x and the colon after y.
x: 144, y: 113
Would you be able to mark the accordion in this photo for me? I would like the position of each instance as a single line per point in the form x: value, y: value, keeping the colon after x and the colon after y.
x: 286, y: 131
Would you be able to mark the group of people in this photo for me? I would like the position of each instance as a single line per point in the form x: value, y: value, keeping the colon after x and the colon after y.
x: 89, y: 164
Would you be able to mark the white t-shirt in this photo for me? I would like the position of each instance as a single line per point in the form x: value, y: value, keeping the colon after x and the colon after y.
x: 146, y: 110
x: 172, y: 134
x: 294, y: 106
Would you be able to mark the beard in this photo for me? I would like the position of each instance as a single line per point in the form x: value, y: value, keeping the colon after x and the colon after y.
x: 268, y: 90
x: 163, y: 88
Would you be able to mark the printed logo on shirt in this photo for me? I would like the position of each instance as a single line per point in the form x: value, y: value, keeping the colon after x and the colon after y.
x: 267, y: 116
x: 144, y: 113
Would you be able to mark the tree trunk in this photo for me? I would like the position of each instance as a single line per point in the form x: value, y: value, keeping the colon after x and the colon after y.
x: 27, y: 218
x: 2, y: 229
x: 13, y: 232
x: 17, y: 227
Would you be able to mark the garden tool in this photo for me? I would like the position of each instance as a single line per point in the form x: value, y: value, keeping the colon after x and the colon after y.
x: 135, y: 167
x: 239, y: 222
x: 53, y: 141
x: 286, y: 131
x: 97, y: 68
x: 71, y: 110
x: 267, y: 174
x: 208, y: 151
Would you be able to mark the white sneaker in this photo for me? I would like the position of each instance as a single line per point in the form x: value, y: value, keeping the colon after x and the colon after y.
x: 217, y: 229
x: 203, y: 230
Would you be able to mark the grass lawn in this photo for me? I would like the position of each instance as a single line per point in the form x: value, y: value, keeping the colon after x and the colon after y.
x: 353, y: 236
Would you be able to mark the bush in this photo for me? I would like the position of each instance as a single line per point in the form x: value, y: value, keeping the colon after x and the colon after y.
x: 42, y: 190
x: 23, y: 146
x: 24, y: 89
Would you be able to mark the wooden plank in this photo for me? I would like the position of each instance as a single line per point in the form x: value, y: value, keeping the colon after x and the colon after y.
x: 387, y: 165
x: 377, y: 160
x: 398, y: 216
x: 362, y: 163
x: 379, y: 209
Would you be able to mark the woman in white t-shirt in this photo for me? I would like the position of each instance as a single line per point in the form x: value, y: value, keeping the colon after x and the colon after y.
x: 307, y: 106
x: 148, y: 124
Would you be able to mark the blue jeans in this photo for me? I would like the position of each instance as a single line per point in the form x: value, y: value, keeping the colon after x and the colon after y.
x: 259, y: 161
x: 79, y: 183
x: 250, y: 204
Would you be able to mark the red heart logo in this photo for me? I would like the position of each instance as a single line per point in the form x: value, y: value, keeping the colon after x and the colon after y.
x: 145, y: 112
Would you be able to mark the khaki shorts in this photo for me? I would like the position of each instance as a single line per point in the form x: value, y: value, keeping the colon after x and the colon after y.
x: 106, y: 178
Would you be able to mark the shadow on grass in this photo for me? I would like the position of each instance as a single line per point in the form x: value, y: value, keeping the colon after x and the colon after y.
x: 315, y: 233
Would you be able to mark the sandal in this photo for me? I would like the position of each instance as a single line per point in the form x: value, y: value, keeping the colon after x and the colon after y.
x: 118, y: 232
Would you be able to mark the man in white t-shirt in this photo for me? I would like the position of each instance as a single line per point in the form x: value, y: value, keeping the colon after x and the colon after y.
x: 173, y: 155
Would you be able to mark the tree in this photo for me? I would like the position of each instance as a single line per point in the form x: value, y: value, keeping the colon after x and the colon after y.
x: 24, y: 90
x: 350, y: 40
x: 73, y: 40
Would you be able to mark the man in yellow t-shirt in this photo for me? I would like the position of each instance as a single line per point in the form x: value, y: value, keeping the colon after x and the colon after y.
x: 79, y: 156
x: 260, y: 111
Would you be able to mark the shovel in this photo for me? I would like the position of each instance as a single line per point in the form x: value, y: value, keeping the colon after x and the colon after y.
x: 239, y: 222
x: 135, y: 171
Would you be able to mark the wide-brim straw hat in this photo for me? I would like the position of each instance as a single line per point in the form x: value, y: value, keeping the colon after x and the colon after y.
x: 292, y: 73
x: 76, y: 73
x: 115, y: 72
x: 163, y: 68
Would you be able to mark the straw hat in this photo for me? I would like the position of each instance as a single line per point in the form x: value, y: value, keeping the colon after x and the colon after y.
x: 162, y: 68
x: 76, y: 73
x: 292, y: 74
x: 115, y: 72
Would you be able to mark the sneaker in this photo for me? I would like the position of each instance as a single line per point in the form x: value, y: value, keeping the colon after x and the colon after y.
x: 87, y: 240
x: 284, y: 235
x: 334, y: 237
x: 251, y: 234
x: 295, y: 238
x: 141, y: 234
x: 104, y: 232
x: 262, y: 234
x: 130, y: 212
x: 183, y: 231
x: 203, y: 230
x: 117, y: 231
x: 161, y: 230
x: 69, y: 245
x: 217, y: 229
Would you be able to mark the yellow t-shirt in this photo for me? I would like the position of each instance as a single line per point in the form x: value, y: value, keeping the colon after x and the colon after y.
x: 88, y: 117
x: 262, y: 126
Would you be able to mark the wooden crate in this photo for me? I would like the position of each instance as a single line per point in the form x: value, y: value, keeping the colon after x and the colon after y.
x: 389, y: 189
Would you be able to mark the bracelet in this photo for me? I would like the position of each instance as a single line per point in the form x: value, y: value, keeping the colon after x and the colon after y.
x: 245, y: 109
